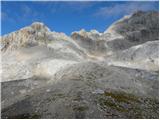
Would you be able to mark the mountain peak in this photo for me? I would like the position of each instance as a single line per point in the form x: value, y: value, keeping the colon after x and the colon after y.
x: 31, y: 35
x: 39, y: 26
x: 38, y: 23
x: 139, y: 12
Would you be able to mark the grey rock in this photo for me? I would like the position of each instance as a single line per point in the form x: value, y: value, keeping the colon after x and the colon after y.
x: 135, y: 29
x: 46, y: 74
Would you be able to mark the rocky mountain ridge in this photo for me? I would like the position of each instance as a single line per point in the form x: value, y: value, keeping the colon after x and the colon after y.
x: 113, y: 74
x: 129, y: 31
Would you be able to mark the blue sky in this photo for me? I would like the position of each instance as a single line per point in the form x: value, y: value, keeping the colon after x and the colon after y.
x: 68, y: 16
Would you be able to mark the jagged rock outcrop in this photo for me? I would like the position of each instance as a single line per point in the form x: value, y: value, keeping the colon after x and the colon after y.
x: 37, y: 43
x: 135, y: 29
x: 39, y: 35
x: 28, y: 36
x: 129, y: 31
x: 90, y: 41
x: 24, y: 50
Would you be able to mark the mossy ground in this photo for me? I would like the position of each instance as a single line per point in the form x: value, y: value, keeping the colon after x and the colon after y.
x: 128, y: 105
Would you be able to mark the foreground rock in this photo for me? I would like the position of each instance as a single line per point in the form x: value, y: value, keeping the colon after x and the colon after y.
x: 89, y: 91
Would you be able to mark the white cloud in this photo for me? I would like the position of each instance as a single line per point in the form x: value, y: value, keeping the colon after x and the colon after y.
x: 29, y: 13
x: 26, y: 10
x: 80, y: 5
x: 4, y: 16
x: 126, y: 8
x: 72, y: 5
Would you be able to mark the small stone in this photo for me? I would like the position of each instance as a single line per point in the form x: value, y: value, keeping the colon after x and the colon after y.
x: 22, y: 91
x: 48, y: 90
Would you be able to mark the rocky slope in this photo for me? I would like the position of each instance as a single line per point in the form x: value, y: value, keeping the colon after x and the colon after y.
x: 143, y: 56
x: 135, y: 29
x: 129, y: 31
x: 114, y: 74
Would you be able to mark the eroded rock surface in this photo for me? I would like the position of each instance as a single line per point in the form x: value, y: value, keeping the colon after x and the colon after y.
x: 113, y: 74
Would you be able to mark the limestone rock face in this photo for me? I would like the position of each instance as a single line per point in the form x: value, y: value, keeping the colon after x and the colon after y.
x: 143, y: 56
x: 28, y: 36
x: 135, y: 29
x: 23, y: 50
x: 143, y: 24
x: 131, y: 30
x: 115, y: 44
x: 90, y: 41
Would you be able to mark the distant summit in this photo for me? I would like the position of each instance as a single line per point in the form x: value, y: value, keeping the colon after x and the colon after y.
x: 39, y: 26
x: 132, y: 30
